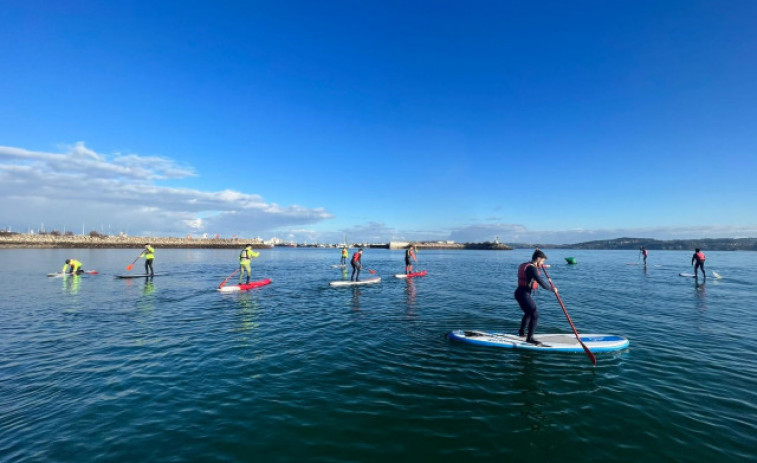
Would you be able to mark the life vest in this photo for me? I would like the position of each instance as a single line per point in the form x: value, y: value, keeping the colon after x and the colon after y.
x: 355, y: 257
x: 409, y: 254
x: 73, y: 264
x: 522, y: 276
x: 247, y: 254
x: 149, y: 252
x: 699, y: 256
x: 344, y: 252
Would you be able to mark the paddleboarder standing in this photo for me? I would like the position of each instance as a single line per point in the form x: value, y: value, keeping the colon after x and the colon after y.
x: 697, y: 260
x: 357, y: 264
x: 409, y: 257
x: 643, y: 251
x: 529, y: 278
x: 149, y: 254
x: 345, y: 253
x: 245, y: 257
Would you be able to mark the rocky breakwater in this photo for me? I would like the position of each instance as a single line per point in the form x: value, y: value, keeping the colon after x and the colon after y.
x: 20, y: 240
x: 444, y: 245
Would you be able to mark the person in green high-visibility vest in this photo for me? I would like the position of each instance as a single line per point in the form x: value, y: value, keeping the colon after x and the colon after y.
x: 245, y: 257
x: 149, y: 255
x: 72, y: 266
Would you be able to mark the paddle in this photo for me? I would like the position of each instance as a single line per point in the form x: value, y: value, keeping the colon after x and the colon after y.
x: 586, y: 349
x: 227, y: 279
x: 131, y: 266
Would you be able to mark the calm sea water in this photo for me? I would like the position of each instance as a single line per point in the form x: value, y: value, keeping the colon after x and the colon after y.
x: 95, y: 368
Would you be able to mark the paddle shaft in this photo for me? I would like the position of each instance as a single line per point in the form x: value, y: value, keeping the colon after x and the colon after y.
x: 131, y: 266
x: 565, y: 311
x: 227, y: 278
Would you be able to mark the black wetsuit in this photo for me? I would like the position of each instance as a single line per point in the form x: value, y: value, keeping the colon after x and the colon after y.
x: 357, y: 265
x: 699, y: 263
x: 526, y: 302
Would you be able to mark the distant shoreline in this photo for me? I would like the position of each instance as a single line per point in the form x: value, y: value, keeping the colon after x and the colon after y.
x: 19, y: 240
x: 79, y: 241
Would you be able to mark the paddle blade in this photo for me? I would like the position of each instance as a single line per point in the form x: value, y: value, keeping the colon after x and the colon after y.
x: 371, y: 271
x: 129, y: 267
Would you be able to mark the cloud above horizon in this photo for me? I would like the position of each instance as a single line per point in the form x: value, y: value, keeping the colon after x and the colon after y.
x: 80, y: 185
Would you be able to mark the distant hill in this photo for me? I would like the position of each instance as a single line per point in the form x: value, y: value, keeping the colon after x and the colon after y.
x: 708, y: 244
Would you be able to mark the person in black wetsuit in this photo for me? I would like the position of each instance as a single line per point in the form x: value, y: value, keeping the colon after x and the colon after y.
x: 357, y: 264
x: 409, y: 258
x: 529, y: 278
x: 697, y: 260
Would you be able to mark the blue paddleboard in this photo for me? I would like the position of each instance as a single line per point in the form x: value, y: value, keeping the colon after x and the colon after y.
x: 550, y: 342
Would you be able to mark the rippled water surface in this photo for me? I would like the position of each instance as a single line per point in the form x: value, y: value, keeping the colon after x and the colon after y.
x: 95, y: 368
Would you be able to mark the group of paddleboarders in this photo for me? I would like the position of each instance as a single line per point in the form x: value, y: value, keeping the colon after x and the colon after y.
x: 74, y: 267
x: 529, y: 279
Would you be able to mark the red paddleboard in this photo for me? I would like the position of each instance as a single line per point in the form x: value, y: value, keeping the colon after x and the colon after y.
x: 246, y: 286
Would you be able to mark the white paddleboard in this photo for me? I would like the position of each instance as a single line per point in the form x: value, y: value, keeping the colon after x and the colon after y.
x: 685, y: 274
x: 549, y: 342
x: 366, y: 281
x: 339, y: 266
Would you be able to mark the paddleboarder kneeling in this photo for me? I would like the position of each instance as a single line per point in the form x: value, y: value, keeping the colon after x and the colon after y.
x: 697, y: 260
x: 529, y: 278
x: 357, y: 264
x: 149, y: 255
x: 72, y: 266
x: 245, y: 257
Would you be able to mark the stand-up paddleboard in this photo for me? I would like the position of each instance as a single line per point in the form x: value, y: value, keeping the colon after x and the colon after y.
x: 60, y: 274
x: 140, y: 276
x: 339, y: 266
x: 411, y: 275
x: 685, y: 274
x: 549, y: 342
x: 246, y: 286
x: 366, y: 281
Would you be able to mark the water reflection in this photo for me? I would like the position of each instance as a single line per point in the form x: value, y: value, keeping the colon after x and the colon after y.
x: 247, y: 311
x: 146, y: 302
x: 356, y: 292
x: 410, y: 293
x: 701, y: 291
x: 71, y: 284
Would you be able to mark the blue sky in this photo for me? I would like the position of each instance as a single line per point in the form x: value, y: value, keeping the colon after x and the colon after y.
x: 531, y: 121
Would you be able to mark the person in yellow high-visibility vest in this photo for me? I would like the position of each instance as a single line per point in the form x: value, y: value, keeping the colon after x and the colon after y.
x: 72, y: 266
x: 345, y: 254
x: 245, y: 257
x: 149, y: 255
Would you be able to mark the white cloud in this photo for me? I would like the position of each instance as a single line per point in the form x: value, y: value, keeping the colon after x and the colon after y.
x: 82, y: 186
